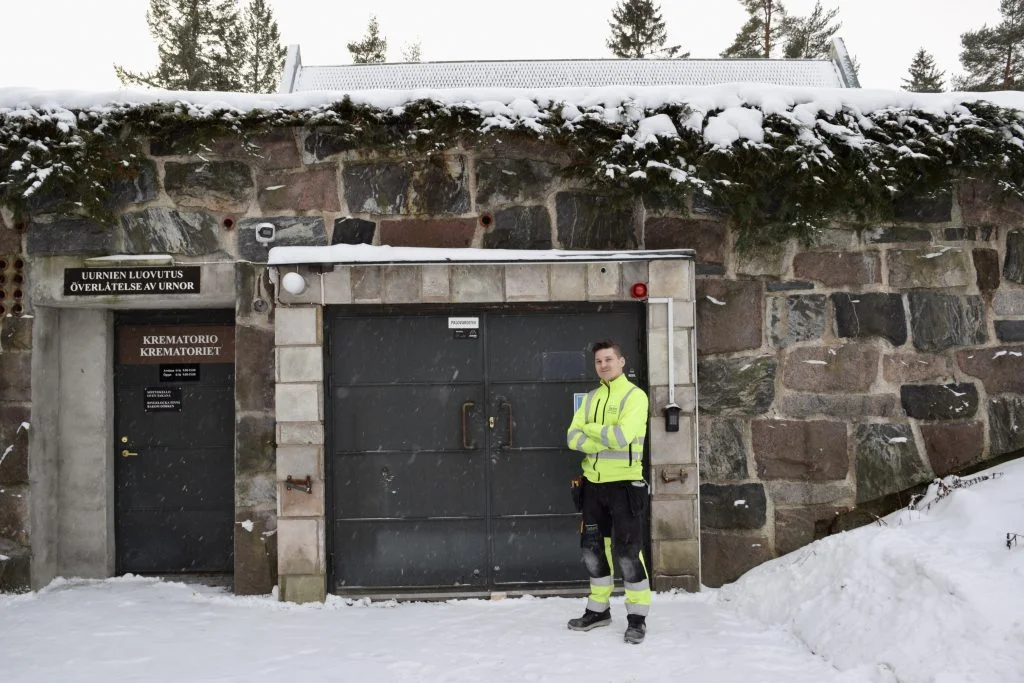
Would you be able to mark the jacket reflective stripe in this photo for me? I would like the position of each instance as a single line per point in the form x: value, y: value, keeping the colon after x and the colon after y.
x: 590, y: 397
x: 576, y: 439
x: 622, y: 403
x: 620, y: 437
x: 616, y: 455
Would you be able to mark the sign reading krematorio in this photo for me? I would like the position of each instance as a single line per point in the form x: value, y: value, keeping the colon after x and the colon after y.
x: 123, y: 281
x: 151, y: 344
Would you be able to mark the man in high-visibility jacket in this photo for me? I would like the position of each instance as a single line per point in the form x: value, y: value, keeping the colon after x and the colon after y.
x: 609, y: 429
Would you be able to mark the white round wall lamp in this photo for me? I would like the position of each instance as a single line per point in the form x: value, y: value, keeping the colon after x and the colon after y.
x: 293, y: 283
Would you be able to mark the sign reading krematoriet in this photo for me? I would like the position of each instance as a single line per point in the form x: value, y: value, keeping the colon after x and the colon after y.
x: 152, y: 344
x: 122, y: 281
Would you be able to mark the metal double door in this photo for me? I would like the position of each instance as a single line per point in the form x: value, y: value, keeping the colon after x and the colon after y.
x: 447, y: 465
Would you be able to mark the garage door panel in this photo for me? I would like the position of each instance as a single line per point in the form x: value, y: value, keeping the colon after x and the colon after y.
x: 428, y: 553
x: 399, y: 485
x: 533, y: 482
x: 556, y: 347
x: 537, y: 550
x: 407, y: 418
x: 541, y: 413
x: 413, y: 348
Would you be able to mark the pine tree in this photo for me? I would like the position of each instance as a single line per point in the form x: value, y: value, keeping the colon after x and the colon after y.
x: 373, y: 48
x: 413, y: 52
x: 194, y: 46
x: 258, y: 51
x: 924, y: 75
x: 810, y: 37
x: 764, y: 29
x: 638, y: 31
x: 992, y: 56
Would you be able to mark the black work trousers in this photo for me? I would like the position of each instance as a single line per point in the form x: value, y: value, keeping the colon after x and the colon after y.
x: 615, y: 510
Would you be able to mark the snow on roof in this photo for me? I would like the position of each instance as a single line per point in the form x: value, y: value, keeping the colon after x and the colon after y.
x: 585, y: 73
x: 835, y: 72
x: 365, y: 254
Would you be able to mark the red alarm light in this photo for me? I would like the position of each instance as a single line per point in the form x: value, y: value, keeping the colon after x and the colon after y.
x: 638, y: 290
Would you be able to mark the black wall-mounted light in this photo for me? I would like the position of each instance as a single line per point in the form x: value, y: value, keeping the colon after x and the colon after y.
x: 672, y: 417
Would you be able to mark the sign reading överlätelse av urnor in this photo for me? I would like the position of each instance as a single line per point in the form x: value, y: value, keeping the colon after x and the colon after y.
x: 128, y: 281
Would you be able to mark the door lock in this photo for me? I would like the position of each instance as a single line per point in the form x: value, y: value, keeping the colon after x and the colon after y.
x: 127, y: 453
x: 490, y: 422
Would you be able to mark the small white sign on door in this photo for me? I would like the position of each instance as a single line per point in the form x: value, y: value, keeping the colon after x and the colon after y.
x: 577, y: 401
x: 466, y: 323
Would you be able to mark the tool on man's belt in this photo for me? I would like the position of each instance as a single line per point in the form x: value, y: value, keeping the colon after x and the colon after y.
x: 576, y: 489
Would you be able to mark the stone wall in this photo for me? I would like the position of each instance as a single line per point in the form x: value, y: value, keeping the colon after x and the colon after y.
x: 837, y: 375
x: 15, y: 417
x: 828, y: 376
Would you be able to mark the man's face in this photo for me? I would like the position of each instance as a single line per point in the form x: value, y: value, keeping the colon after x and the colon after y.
x: 608, y: 364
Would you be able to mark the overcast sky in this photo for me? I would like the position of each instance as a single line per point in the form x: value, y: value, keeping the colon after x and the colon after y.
x: 53, y: 44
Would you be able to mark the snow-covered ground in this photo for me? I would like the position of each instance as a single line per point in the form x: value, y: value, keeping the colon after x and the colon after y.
x: 931, y: 596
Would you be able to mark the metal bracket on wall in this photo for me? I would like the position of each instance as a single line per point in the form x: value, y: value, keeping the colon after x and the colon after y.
x: 305, y: 485
x: 669, y: 478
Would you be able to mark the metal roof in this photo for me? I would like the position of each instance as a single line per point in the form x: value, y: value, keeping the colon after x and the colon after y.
x: 567, y: 73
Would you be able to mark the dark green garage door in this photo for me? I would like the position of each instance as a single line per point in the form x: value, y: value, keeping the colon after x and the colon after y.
x: 447, y: 464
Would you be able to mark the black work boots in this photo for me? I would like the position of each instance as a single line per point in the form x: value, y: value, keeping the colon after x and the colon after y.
x: 636, y: 630
x: 591, y: 619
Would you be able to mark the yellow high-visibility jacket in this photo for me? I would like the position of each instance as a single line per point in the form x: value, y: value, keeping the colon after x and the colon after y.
x: 609, y: 429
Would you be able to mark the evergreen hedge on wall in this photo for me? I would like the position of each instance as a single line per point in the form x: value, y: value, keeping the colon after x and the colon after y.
x: 811, y: 163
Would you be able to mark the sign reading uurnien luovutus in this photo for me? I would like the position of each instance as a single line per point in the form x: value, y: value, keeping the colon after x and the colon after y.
x: 127, y: 281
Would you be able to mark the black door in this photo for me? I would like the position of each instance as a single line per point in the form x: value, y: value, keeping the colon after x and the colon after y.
x: 174, y: 442
x: 448, y: 466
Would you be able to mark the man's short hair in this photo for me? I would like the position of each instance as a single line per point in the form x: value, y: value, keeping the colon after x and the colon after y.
x: 607, y: 344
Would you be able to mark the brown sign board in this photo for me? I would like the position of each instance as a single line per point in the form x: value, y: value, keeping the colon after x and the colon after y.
x: 163, y: 344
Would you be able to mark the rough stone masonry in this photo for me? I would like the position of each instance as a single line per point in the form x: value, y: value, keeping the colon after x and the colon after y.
x: 828, y: 376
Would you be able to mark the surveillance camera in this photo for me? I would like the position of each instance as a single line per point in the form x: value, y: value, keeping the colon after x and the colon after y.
x: 265, y: 233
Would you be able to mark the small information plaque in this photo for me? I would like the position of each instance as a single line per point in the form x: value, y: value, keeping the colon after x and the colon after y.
x: 179, y: 373
x: 163, y: 400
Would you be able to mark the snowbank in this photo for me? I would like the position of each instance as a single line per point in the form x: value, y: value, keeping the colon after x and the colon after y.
x: 933, y: 595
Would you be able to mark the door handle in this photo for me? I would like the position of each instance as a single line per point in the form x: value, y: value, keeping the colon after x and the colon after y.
x: 127, y: 453
x: 508, y: 440
x: 466, y: 407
